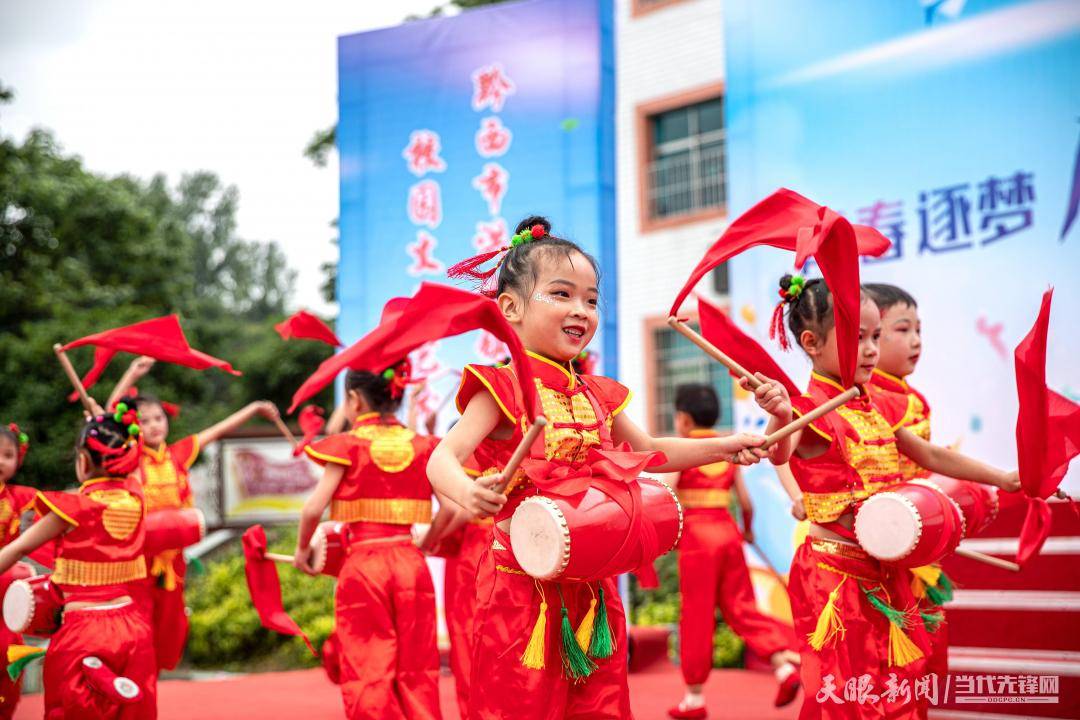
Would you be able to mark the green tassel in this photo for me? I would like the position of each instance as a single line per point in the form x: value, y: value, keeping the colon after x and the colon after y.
x: 942, y: 592
x: 932, y: 620
x: 14, y: 669
x: 576, y: 664
x: 603, y: 642
x: 197, y: 566
x: 899, y: 618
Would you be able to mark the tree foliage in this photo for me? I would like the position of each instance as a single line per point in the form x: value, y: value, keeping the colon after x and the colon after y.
x: 81, y: 252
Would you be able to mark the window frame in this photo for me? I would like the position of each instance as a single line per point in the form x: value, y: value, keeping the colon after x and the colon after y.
x: 644, y: 131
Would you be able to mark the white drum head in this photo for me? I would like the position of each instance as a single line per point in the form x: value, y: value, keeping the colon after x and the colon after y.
x: 540, y: 538
x: 318, y: 550
x: 126, y: 688
x: 888, y: 526
x: 18, y: 606
x: 202, y: 522
x: 93, y: 662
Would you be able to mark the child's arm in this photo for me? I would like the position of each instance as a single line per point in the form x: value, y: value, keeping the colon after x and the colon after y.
x: 686, y: 453
x: 445, y: 469
x: 449, y: 518
x: 312, y: 512
x: 41, y: 532
x: 338, y: 421
x: 791, y: 487
x: 773, y: 398
x: 260, y: 407
x: 953, y: 464
x: 138, y: 368
x: 745, y: 506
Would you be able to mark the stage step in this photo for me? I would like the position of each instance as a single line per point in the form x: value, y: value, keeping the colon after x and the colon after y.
x: 1056, y: 567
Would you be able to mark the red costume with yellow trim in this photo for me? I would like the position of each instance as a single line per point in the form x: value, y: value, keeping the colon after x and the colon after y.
x: 385, y: 599
x: 161, y: 594
x: 858, y: 616
x: 97, y: 560
x: 930, y: 585
x: 14, y: 501
x: 713, y: 573
x: 516, y: 666
x: 459, y: 602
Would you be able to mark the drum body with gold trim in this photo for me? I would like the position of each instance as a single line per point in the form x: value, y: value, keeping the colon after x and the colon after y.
x: 909, y: 524
x: 173, y: 529
x: 555, y: 539
x: 33, y: 606
x: 978, y: 503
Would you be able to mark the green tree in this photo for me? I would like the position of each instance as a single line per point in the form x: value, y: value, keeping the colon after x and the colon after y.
x: 81, y: 252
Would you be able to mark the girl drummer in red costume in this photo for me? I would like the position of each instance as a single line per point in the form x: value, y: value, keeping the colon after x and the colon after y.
x: 857, y: 614
x: 100, y: 663
x: 549, y: 649
x: 14, y: 501
x: 901, y: 347
x: 165, y: 468
x: 384, y: 607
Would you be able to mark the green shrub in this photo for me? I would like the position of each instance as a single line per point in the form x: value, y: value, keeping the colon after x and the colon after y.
x: 225, y: 630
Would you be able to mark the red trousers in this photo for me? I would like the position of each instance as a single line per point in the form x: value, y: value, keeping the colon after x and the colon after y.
x: 9, y: 690
x: 385, y: 622
x: 713, y: 573
x: 860, y: 655
x: 501, y: 687
x: 165, y: 612
x: 460, y: 599
x: 120, y: 637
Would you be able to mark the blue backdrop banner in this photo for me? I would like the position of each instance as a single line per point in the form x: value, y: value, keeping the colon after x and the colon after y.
x: 451, y: 130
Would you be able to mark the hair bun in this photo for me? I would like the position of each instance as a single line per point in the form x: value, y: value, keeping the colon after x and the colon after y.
x: 534, y: 220
x: 785, y: 281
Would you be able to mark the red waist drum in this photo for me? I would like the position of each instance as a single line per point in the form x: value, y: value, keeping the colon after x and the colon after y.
x: 18, y: 571
x: 554, y: 539
x: 328, y: 548
x: 909, y: 524
x: 978, y: 503
x: 173, y: 529
x: 33, y: 606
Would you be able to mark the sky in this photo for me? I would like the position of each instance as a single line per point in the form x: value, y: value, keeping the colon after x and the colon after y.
x: 237, y: 87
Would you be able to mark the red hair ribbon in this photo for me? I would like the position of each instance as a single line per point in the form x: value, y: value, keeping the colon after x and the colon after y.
x: 469, y: 268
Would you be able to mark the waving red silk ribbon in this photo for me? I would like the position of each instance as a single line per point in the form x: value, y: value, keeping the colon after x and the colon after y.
x: 265, y: 587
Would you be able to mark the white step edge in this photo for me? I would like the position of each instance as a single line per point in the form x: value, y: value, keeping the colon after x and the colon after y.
x: 1033, y: 600
x: 972, y: 715
x: 1003, y: 661
x: 210, y: 542
x: 1010, y: 546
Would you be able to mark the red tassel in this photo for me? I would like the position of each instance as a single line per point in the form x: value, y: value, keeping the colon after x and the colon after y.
x: 468, y: 268
x: 777, y: 330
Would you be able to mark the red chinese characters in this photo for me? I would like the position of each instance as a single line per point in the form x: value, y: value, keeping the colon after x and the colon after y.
x: 490, y: 236
x: 491, y: 348
x: 422, y: 153
x: 423, y: 254
x: 492, y: 183
x: 491, y: 86
x: 493, y: 139
x: 425, y: 204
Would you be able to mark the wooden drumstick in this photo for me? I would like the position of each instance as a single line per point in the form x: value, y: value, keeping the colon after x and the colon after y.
x: 520, y: 452
x: 712, y: 351
x: 285, y: 430
x: 801, y: 422
x: 988, y: 559
x: 88, y: 402
x: 279, y: 558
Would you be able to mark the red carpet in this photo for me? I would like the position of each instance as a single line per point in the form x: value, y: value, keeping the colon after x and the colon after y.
x: 309, y: 695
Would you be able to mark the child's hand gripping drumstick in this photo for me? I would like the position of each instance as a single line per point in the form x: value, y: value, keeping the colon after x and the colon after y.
x: 89, y: 404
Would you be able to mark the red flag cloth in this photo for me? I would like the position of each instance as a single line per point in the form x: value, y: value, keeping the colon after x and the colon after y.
x: 1047, y: 433
x: 312, y: 423
x: 161, y: 338
x: 776, y: 221
x: 265, y: 587
x: 721, y: 331
x: 304, y: 325
x: 435, y: 312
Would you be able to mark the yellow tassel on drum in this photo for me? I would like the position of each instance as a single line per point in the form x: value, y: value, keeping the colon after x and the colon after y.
x: 902, y: 651
x: 829, y: 623
x: 162, y: 567
x: 918, y: 587
x: 929, y: 574
x: 585, y: 629
x: 534, y: 654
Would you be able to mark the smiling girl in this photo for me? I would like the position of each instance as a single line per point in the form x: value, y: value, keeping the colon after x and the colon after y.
x: 528, y: 662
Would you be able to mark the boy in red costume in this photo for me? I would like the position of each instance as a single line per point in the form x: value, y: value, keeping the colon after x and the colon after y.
x: 712, y: 567
x: 99, y: 554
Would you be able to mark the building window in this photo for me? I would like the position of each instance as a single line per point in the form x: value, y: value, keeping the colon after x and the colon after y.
x: 678, y: 361
x: 686, y: 172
